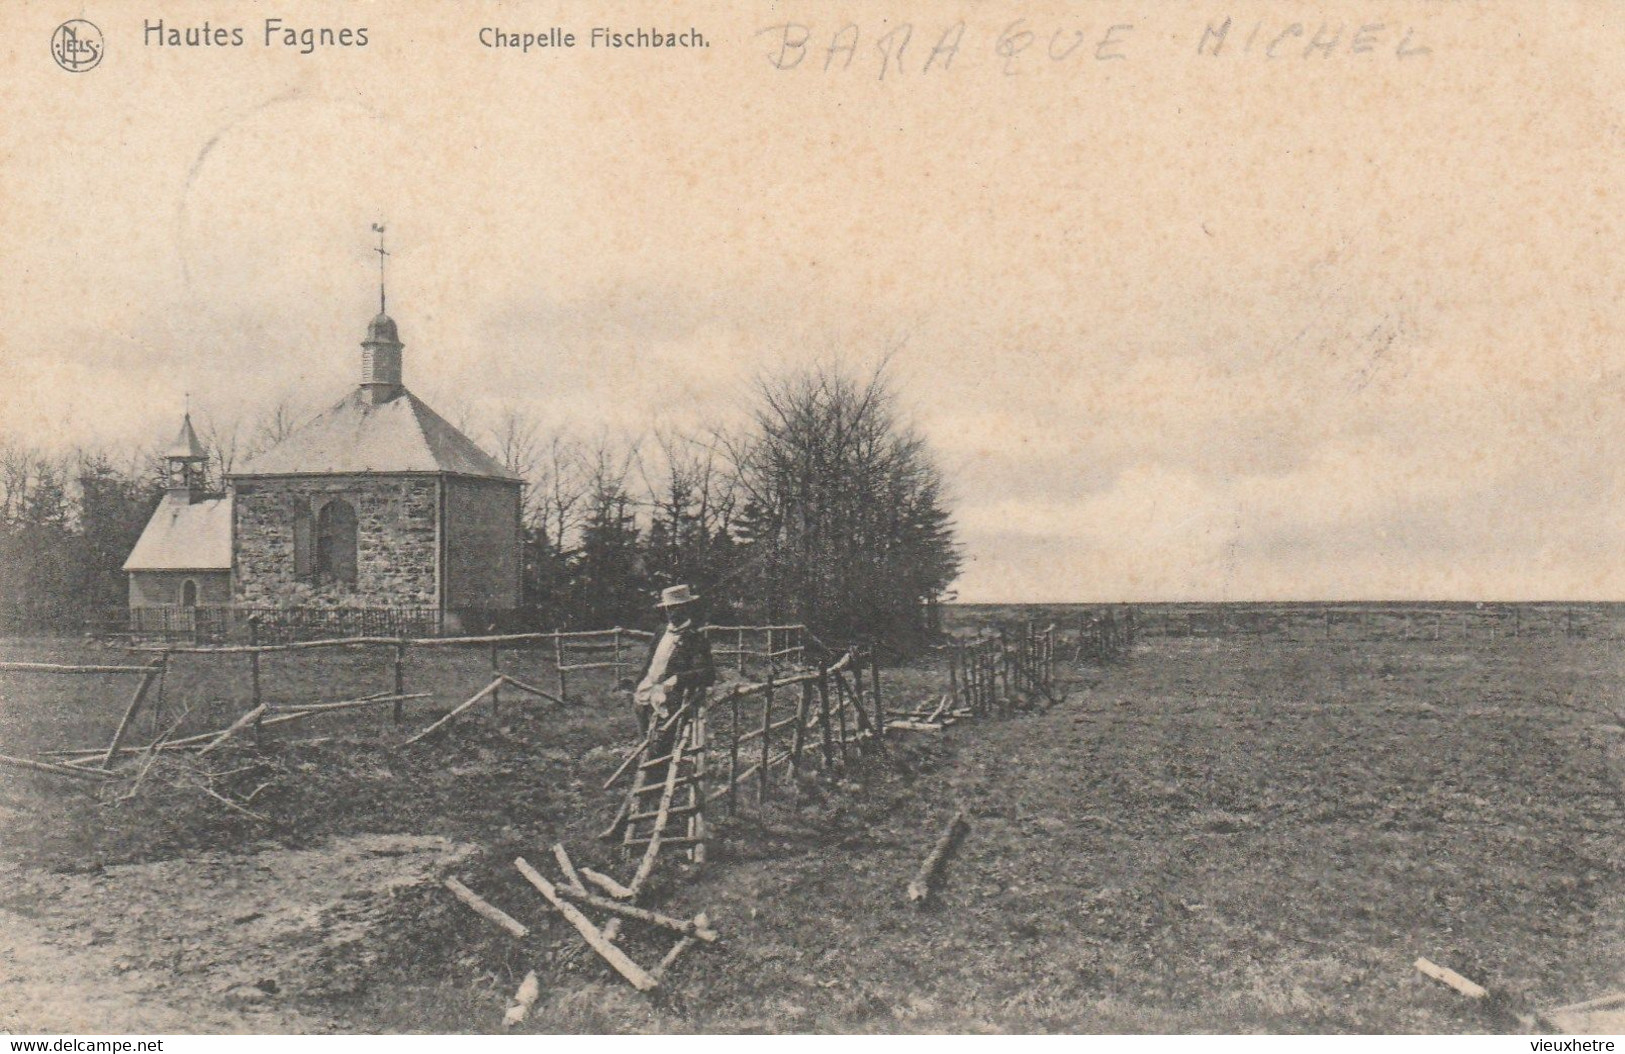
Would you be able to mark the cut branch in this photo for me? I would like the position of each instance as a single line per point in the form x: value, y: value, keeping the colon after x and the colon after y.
x: 486, y: 910
x: 931, y: 869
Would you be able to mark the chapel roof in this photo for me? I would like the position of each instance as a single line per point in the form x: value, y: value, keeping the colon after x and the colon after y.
x: 185, y: 535
x: 400, y: 434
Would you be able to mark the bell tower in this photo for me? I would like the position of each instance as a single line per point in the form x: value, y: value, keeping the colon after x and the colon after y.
x: 186, y: 464
x: 381, y: 351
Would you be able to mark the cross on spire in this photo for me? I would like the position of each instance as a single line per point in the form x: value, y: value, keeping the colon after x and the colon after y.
x: 382, y: 254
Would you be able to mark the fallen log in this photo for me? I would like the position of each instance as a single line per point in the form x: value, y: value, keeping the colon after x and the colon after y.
x: 678, y: 949
x: 532, y: 689
x: 1451, y: 978
x: 914, y: 726
x: 346, y: 704
x: 920, y: 889
x: 486, y: 910
x: 236, y: 726
x: 607, y: 884
x: 530, y: 990
x: 228, y: 803
x: 654, y: 918
x: 569, y: 869
x: 291, y: 714
x: 456, y: 712
x: 634, y: 974
x: 1600, y: 1003
x: 57, y: 770
x: 152, y: 756
x: 153, y: 669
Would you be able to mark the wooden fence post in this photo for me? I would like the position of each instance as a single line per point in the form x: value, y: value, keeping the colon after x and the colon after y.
x: 799, y: 732
x: 254, y: 678
x: 841, y: 694
x: 696, y: 820
x: 558, y: 661
x: 496, y: 674
x: 767, y: 734
x: 733, y: 757
x: 874, y: 686
x: 823, y: 716
x: 157, y: 710
x: 973, y: 677
x: 400, y: 679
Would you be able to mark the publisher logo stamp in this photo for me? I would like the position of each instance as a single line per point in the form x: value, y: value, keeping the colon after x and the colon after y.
x: 77, y: 45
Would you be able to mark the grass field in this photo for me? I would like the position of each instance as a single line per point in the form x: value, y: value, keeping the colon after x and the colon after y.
x: 1214, y: 834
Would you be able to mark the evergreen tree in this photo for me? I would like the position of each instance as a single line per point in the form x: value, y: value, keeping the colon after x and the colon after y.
x: 609, y: 586
x: 844, y: 525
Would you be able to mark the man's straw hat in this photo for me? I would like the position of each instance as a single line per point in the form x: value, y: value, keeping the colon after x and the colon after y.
x: 673, y: 596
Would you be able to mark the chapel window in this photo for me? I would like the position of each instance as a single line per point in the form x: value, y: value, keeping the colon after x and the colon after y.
x: 336, y: 543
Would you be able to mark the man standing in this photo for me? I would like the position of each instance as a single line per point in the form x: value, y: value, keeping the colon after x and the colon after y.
x: 679, y: 666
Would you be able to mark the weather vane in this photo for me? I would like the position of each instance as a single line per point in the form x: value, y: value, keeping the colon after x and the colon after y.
x: 379, y: 227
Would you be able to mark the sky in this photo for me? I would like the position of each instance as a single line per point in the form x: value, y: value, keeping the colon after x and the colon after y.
x: 1280, y: 322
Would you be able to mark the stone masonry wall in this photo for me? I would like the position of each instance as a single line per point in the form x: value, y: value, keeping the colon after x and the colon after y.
x: 163, y: 588
x: 395, y: 540
x: 482, y: 544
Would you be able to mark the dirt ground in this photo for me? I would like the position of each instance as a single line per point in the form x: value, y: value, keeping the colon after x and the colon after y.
x: 202, y: 944
x: 1224, y: 835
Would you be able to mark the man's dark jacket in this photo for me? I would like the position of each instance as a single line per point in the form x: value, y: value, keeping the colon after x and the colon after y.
x: 690, y: 663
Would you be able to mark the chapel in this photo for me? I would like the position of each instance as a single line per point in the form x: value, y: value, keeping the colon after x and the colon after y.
x: 378, y: 503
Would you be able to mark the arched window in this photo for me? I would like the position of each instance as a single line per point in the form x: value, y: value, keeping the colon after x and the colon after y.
x: 188, y: 594
x: 335, y: 542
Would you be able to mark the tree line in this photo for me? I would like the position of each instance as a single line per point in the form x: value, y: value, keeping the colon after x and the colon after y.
x: 826, y: 508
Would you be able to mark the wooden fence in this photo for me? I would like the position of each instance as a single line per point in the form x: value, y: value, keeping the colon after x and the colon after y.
x: 614, y: 651
x: 617, y: 651
x: 219, y: 623
x: 812, y: 718
x: 988, y: 675
x: 1377, y: 622
x: 778, y: 647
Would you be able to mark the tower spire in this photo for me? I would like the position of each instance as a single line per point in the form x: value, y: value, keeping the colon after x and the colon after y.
x: 382, y: 255
x: 381, y: 351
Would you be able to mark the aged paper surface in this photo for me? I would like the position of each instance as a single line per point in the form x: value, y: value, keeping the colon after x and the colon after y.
x: 1247, y: 314
x: 1214, y: 302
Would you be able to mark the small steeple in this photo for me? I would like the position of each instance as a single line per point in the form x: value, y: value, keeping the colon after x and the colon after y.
x: 381, y: 351
x: 186, y: 463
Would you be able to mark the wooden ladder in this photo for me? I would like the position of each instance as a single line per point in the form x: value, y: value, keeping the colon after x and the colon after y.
x: 668, y: 789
